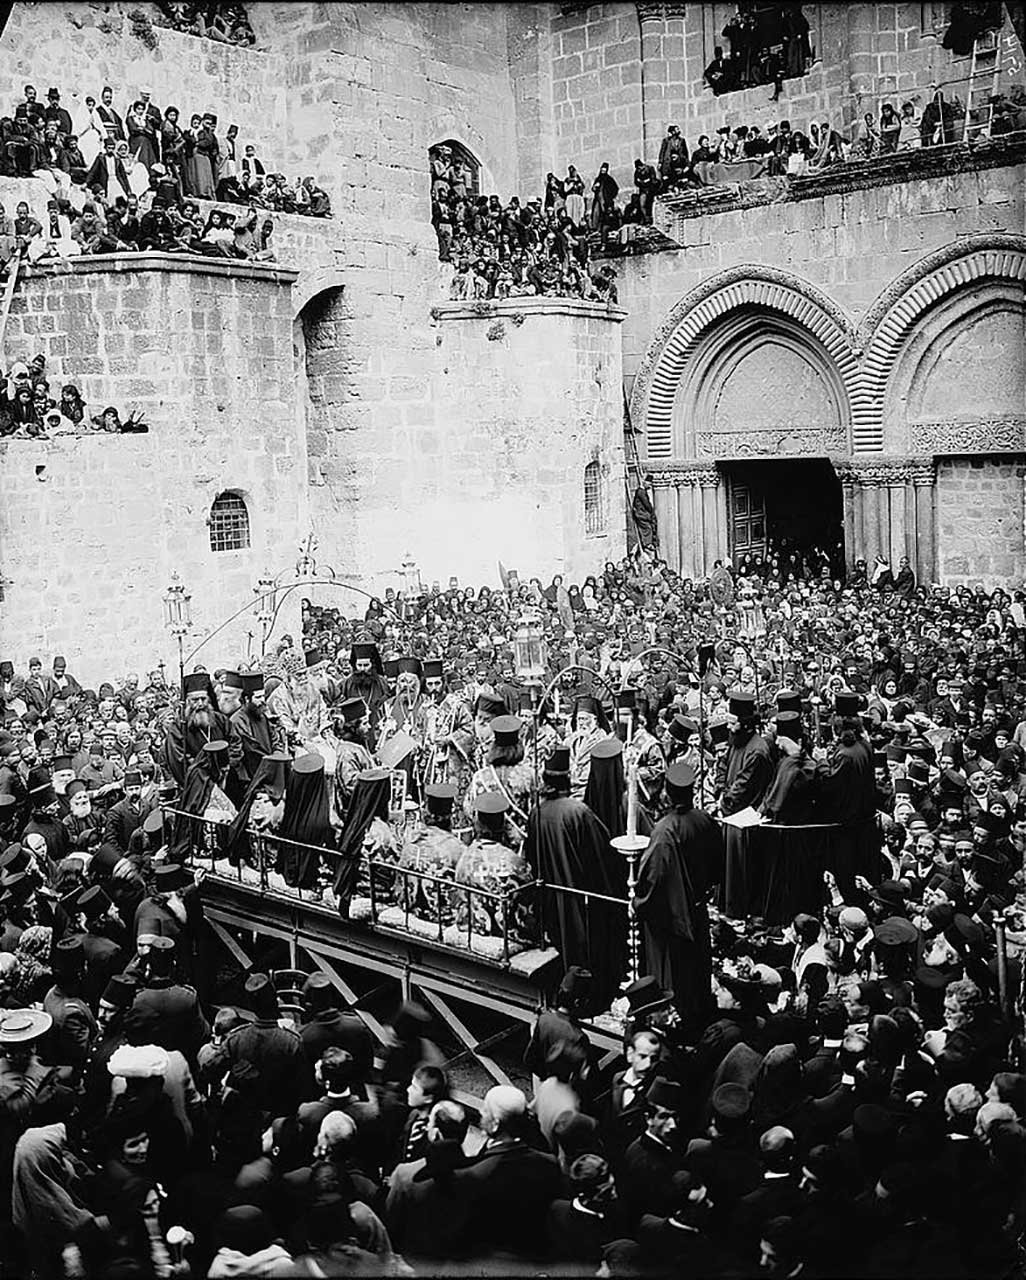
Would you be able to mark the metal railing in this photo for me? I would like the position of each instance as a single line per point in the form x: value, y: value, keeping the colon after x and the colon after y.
x: 385, y: 884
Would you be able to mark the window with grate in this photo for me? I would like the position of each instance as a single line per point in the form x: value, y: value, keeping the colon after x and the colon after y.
x: 594, y: 501
x: 229, y: 523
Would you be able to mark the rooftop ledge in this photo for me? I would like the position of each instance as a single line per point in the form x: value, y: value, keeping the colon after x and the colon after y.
x: 859, y: 175
x: 528, y: 306
x: 182, y: 263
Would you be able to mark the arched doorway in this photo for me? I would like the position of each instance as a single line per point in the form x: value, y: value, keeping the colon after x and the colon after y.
x: 790, y: 509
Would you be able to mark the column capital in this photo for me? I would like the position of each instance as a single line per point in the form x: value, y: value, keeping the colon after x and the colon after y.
x: 709, y: 477
x: 684, y: 476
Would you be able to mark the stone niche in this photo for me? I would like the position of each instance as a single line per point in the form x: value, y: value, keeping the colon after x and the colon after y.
x: 93, y: 525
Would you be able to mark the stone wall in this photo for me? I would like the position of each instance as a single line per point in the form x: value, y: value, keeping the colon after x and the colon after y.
x: 91, y: 527
x: 980, y: 520
x: 521, y: 399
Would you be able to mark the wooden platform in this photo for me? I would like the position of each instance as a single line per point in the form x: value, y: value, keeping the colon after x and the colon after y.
x: 438, y: 975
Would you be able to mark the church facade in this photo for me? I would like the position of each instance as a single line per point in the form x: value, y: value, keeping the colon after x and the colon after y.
x: 847, y: 343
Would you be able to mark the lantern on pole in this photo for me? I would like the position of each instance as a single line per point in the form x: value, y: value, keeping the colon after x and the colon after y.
x: 178, y: 618
x: 265, y: 607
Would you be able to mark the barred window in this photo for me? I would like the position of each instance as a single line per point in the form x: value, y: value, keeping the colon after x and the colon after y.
x: 594, y: 501
x: 229, y: 523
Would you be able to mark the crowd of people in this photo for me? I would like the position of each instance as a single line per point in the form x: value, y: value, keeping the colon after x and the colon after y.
x: 226, y: 23
x: 29, y: 409
x: 104, y: 162
x: 819, y: 1076
x: 768, y: 43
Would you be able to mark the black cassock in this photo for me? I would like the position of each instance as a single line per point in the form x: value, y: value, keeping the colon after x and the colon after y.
x: 567, y: 845
x: 306, y: 821
x: 682, y: 862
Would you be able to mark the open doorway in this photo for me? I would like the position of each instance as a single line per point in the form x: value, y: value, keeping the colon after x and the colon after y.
x: 789, y: 509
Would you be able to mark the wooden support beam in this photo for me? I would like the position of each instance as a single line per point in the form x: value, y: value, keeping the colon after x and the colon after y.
x: 456, y: 1024
x: 230, y: 943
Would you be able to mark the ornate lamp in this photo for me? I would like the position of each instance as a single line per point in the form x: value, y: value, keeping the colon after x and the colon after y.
x: 265, y: 606
x: 530, y: 651
x: 411, y: 578
x: 178, y: 617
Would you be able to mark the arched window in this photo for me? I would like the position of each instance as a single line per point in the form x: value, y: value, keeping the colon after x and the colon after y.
x: 594, y: 501
x: 229, y: 523
x: 455, y: 177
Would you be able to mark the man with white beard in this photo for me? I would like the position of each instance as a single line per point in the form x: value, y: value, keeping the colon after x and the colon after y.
x: 196, y: 725
x: 298, y: 707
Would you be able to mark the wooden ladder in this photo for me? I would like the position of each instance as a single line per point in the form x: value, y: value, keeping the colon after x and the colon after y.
x: 984, y: 74
x: 13, y: 267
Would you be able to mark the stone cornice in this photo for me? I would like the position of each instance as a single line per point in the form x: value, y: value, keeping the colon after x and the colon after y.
x: 176, y: 263
x: 529, y: 306
x: 680, y: 474
x: 884, y: 171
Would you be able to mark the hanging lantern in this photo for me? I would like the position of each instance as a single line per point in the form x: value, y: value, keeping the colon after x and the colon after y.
x: 177, y: 608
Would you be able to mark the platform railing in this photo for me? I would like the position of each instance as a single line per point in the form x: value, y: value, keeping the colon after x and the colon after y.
x: 387, y: 884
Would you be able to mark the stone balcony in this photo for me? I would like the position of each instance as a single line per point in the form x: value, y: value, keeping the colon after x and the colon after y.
x: 673, y: 213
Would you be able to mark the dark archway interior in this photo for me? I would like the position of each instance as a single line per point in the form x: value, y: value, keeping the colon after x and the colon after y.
x: 788, y: 508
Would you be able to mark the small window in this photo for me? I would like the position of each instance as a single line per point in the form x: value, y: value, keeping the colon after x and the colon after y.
x: 594, y: 501
x: 229, y: 523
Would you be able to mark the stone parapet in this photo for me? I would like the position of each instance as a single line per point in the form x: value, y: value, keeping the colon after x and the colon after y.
x: 842, y: 179
x: 179, y: 263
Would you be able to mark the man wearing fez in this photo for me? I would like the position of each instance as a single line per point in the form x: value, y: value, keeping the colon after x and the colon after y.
x: 683, y: 860
x: 198, y: 724
x: 258, y: 735
x: 367, y: 681
x: 847, y: 796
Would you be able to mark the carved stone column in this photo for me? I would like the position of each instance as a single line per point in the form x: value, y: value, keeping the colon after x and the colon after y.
x: 664, y: 499
x: 711, y: 484
x: 689, y: 507
x: 851, y: 498
x: 923, y: 476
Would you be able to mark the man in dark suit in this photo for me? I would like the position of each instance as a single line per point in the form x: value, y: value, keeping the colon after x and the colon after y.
x: 645, y: 1183
x: 123, y: 819
x: 328, y: 1024
x: 509, y: 1186
x: 104, y: 957
x: 180, y: 1019
x: 337, y: 1075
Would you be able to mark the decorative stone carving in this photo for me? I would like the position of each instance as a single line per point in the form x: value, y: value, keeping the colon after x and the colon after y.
x: 893, y: 472
x: 783, y: 441
x: 660, y: 372
x: 684, y: 476
x: 653, y: 11
x: 985, y: 435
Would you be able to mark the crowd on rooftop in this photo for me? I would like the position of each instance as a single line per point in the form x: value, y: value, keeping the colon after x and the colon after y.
x: 106, y: 164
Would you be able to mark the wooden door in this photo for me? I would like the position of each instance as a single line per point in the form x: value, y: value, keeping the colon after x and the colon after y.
x: 747, y: 521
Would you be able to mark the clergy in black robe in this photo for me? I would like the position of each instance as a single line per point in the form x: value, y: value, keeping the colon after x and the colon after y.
x: 790, y: 799
x: 199, y: 724
x: 749, y: 771
x: 269, y: 779
x: 306, y: 822
x: 370, y: 800
x: 202, y: 791
x: 258, y: 735
x: 847, y: 789
x: 605, y: 794
x: 683, y: 861
x: 784, y: 867
x: 568, y: 845
x: 367, y: 681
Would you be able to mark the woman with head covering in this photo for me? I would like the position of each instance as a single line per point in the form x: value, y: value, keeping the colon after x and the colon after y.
x: 306, y: 823
x: 246, y: 1246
